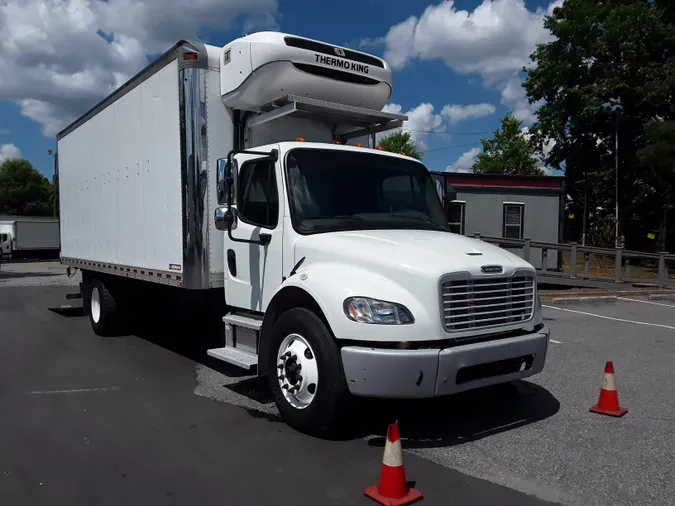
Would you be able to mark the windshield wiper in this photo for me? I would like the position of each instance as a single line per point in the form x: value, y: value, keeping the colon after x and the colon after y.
x: 336, y: 217
x: 419, y: 217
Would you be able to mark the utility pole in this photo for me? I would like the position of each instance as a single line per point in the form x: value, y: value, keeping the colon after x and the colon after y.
x: 585, y: 217
x: 616, y: 178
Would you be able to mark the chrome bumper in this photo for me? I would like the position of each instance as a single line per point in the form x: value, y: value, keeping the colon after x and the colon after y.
x: 409, y: 374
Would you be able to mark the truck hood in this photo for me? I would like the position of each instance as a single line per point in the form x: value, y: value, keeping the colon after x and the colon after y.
x: 422, y: 253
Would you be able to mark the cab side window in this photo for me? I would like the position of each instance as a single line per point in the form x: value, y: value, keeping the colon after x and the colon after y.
x: 257, y: 196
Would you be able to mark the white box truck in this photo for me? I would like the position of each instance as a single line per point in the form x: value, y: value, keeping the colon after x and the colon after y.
x: 248, y: 175
x: 29, y: 236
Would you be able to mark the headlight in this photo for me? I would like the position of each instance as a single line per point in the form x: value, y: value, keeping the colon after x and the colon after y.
x: 365, y: 310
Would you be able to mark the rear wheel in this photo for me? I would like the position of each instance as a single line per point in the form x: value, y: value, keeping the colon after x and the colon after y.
x: 305, y: 374
x: 104, y: 313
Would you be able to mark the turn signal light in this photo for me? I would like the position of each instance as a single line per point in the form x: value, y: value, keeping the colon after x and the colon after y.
x: 358, y: 145
x: 300, y: 139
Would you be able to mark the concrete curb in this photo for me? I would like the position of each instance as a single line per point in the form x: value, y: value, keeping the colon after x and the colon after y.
x: 605, y: 295
x: 662, y: 296
x: 567, y: 300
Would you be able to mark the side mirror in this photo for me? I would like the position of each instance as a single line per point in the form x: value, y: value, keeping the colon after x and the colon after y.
x: 226, y: 176
x: 225, y: 219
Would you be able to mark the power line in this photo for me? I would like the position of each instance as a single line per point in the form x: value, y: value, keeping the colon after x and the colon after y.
x: 452, y: 147
x: 444, y: 132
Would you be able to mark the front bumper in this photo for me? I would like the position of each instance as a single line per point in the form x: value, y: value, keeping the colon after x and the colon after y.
x: 410, y: 374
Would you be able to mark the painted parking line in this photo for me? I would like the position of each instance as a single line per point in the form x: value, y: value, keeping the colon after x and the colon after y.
x: 554, y: 341
x: 75, y: 391
x: 648, y: 302
x: 635, y: 322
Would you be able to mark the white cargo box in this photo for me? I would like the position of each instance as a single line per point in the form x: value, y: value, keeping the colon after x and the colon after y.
x: 36, y: 234
x: 137, y: 171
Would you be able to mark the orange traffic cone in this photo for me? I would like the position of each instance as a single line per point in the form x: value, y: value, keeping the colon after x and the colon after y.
x: 393, y: 490
x: 608, y: 404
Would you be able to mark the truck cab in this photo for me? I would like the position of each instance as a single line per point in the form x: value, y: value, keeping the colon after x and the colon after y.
x: 5, y: 245
x: 339, y: 259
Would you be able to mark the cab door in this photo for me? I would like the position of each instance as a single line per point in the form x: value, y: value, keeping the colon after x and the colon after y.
x: 253, y: 271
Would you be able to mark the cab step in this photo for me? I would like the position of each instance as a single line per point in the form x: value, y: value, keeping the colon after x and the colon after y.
x: 233, y: 356
x: 242, y: 334
x: 246, y: 322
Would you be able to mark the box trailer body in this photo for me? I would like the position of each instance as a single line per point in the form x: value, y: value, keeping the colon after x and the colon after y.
x: 231, y: 171
x: 28, y: 236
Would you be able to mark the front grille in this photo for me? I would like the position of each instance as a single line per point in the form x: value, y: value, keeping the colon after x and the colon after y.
x: 322, y: 48
x: 338, y: 75
x: 471, y: 303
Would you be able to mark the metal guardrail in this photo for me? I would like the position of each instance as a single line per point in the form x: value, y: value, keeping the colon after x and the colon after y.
x: 621, y: 256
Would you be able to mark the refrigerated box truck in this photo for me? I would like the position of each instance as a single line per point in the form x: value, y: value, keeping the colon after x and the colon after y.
x: 29, y: 236
x: 249, y: 175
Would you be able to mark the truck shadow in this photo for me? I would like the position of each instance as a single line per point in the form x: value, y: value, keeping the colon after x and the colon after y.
x: 461, y: 418
x: 20, y: 275
x: 440, y: 422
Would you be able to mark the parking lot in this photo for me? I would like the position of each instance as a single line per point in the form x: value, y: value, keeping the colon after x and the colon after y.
x: 147, y: 419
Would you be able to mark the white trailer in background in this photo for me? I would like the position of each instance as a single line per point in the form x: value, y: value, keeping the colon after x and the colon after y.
x: 248, y: 175
x: 29, y: 236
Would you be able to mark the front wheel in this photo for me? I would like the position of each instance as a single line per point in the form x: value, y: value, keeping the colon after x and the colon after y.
x: 305, y: 374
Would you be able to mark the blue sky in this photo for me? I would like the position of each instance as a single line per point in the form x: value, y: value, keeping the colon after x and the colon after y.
x: 463, y: 54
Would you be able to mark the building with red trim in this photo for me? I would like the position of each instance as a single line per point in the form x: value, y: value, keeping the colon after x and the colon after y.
x: 514, y: 207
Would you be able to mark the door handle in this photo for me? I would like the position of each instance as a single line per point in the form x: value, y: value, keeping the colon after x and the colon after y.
x: 264, y: 239
x: 232, y: 262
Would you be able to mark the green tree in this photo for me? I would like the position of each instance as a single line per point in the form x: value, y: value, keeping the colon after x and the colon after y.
x: 659, y: 155
x: 400, y: 142
x: 23, y: 190
x: 609, y: 70
x: 508, y: 152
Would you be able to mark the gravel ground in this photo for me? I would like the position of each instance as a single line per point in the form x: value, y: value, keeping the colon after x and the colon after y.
x: 36, y: 274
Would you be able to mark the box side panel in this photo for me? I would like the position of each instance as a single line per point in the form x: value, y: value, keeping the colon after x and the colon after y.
x: 33, y: 235
x: 220, y: 130
x: 120, y: 180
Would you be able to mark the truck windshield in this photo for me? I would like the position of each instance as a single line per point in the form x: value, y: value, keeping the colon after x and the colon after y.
x: 331, y: 190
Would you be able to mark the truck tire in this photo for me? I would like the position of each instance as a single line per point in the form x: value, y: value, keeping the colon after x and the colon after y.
x: 103, y: 311
x: 311, y: 398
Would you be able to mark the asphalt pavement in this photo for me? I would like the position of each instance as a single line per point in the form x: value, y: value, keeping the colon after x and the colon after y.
x: 150, y: 418
x: 93, y: 421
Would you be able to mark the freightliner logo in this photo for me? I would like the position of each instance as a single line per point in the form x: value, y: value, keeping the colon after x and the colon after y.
x: 491, y: 269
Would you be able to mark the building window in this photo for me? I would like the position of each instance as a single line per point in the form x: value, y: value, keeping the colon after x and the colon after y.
x: 513, y: 220
x: 258, y: 196
x: 455, y: 214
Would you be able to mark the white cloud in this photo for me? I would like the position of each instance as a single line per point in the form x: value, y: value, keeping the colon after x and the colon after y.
x: 546, y: 149
x: 9, y: 152
x: 495, y: 40
x: 497, y: 37
x: 58, y: 57
x: 465, y: 161
x: 457, y: 113
x: 514, y: 97
x: 422, y: 120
